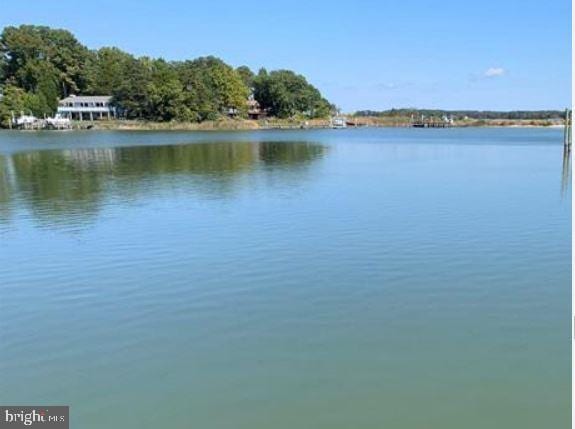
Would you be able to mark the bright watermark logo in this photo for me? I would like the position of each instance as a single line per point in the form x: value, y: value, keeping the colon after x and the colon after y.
x: 53, y: 417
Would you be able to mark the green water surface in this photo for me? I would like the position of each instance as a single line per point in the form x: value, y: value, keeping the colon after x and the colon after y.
x: 360, y: 278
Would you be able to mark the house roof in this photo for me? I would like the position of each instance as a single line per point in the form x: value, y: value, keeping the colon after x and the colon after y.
x: 87, y: 99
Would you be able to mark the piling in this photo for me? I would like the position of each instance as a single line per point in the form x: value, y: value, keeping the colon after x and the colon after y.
x: 568, y: 128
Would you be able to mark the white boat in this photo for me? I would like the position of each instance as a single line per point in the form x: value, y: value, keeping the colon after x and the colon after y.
x: 58, y: 122
x: 25, y: 120
x: 338, y: 122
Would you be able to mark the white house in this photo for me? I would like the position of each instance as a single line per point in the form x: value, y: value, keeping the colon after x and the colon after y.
x: 80, y: 107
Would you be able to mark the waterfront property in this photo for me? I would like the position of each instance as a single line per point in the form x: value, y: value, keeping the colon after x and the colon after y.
x: 96, y: 107
x: 31, y: 122
x: 254, y: 109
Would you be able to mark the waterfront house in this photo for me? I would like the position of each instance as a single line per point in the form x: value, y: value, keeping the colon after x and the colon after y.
x: 254, y: 109
x: 80, y: 107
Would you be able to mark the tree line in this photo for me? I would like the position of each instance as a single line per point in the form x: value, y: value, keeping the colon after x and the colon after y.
x: 40, y: 65
x: 462, y: 114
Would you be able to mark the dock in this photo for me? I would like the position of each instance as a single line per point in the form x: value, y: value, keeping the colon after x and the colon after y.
x: 30, y: 122
x: 431, y: 122
x: 431, y: 125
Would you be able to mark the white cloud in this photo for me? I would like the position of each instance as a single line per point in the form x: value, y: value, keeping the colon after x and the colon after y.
x: 494, y: 72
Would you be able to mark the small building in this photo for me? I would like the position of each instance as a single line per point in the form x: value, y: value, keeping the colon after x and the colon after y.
x: 254, y: 109
x: 84, y: 108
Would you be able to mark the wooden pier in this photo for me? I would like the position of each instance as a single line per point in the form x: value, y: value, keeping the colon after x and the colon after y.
x: 431, y: 125
x: 431, y: 122
x: 30, y: 122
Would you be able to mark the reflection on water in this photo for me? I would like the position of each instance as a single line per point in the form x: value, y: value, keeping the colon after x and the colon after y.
x: 327, y: 285
x: 566, y: 172
x: 59, y: 183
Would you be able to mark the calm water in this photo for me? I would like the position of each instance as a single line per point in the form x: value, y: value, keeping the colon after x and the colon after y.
x: 394, y: 278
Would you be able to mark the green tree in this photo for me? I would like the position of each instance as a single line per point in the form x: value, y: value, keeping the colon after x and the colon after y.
x: 130, y: 96
x: 212, y: 87
x: 165, y: 96
x: 39, y: 65
x: 38, y: 59
x: 107, y: 69
x: 16, y: 101
x: 151, y: 89
x: 286, y: 94
x: 247, y: 76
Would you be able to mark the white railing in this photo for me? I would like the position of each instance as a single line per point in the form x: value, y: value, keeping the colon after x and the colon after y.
x: 66, y: 109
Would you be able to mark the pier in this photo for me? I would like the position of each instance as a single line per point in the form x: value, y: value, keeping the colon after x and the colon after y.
x: 431, y: 125
x: 431, y: 122
x: 29, y: 122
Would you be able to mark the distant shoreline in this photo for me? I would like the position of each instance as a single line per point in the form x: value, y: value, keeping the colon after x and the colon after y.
x: 287, y: 124
x: 276, y: 124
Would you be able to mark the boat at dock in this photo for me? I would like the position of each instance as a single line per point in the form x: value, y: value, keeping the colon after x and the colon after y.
x: 30, y: 122
x: 58, y: 122
x: 432, y: 122
x: 338, y: 123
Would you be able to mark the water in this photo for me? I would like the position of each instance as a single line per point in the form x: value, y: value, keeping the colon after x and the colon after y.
x: 365, y: 278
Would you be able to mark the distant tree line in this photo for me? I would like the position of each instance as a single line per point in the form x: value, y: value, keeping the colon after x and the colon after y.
x: 462, y: 114
x: 40, y: 65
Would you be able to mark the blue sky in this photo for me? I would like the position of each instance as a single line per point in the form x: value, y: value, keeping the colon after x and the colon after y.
x: 498, y: 55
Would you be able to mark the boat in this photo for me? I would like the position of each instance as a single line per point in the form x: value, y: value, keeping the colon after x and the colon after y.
x: 338, y: 122
x: 58, y: 122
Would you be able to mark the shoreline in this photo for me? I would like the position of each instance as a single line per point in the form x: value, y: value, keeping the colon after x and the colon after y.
x: 285, y: 124
x: 262, y: 125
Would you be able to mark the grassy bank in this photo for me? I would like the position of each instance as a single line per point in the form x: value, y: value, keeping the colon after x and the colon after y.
x: 218, y: 125
x: 272, y: 123
x: 402, y: 121
x: 133, y: 125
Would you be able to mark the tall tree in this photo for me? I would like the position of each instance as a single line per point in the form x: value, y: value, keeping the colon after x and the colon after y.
x: 212, y: 87
x: 33, y: 55
x: 130, y: 96
x: 151, y: 89
x: 285, y: 94
x: 107, y: 69
x: 16, y: 101
x: 165, y: 97
x: 247, y: 76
